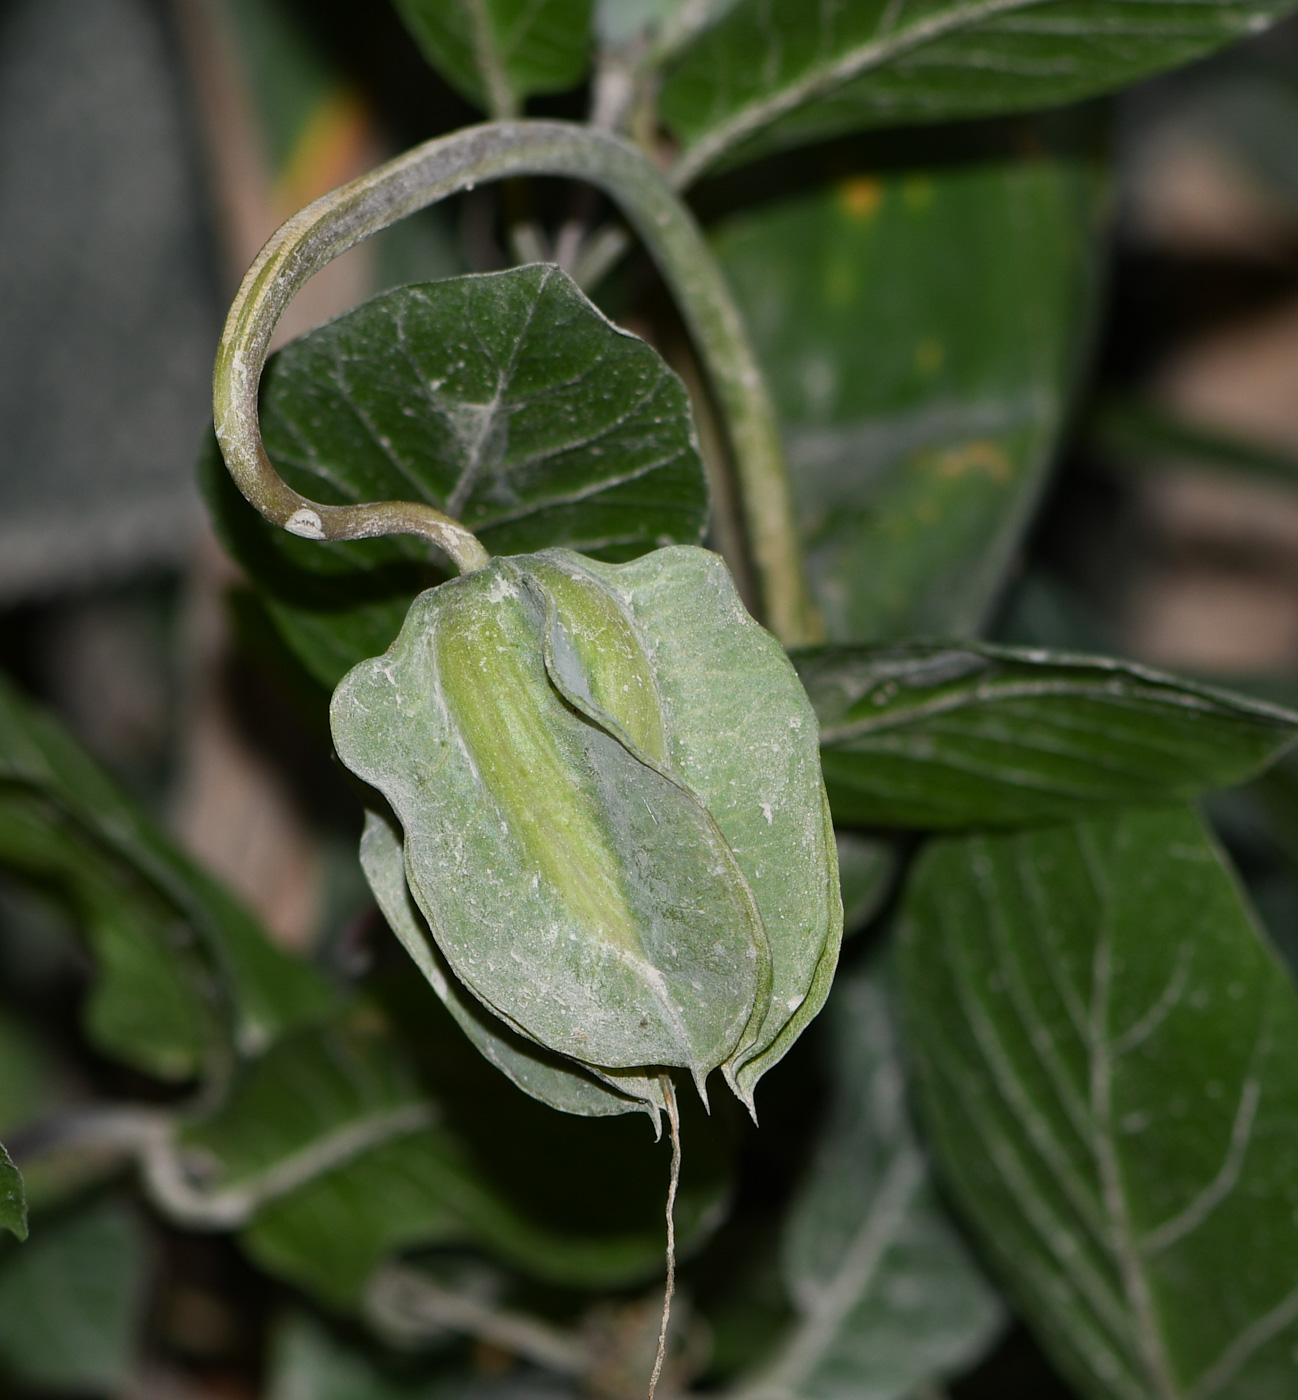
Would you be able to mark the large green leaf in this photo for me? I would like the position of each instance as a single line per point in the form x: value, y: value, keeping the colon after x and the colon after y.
x: 507, y: 400
x: 775, y: 73
x: 72, y: 1301
x: 13, y: 1201
x: 62, y: 819
x: 333, y: 1149
x: 886, y: 1296
x: 979, y: 735
x: 424, y: 1190
x: 1109, y: 1053
x: 919, y: 333
x: 499, y: 52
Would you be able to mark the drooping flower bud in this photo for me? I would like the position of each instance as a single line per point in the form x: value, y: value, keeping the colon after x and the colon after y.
x: 608, y: 786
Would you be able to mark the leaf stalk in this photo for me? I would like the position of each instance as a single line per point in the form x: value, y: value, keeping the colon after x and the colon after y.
x: 423, y: 176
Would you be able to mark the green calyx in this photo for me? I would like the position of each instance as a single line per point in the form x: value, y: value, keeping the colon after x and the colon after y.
x: 608, y: 846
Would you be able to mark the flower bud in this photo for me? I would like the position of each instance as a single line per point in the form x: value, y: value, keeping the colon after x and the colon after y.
x: 608, y: 785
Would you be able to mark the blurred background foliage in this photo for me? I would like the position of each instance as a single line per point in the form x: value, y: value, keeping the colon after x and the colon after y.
x: 1087, y: 320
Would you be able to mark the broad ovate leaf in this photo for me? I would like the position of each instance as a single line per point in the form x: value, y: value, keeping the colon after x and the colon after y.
x: 1109, y: 1055
x: 917, y: 453
x: 506, y: 399
x: 612, y: 815
x: 974, y: 735
x: 778, y: 73
x: 886, y: 1297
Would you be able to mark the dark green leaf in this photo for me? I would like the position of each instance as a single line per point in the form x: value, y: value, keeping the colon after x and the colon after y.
x: 63, y: 820
x: 72, y: 1301
x: 507, y: 400
x: 30, y: 1084
x: 919, y: 333
x: 13, y: 1201
x: 775, y: 73
x: 1109, y: 1053
x: 343, y: 1161
x: 980, y: 735
x: 887, y: 1299
x: 499, y: 52
x: 329, y: 1236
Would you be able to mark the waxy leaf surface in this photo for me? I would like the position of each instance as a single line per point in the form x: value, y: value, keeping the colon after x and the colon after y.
x: 775, y: 73
x: 919, y: 331
x: 980, y: 735
x: 887, y: 1298
x: 499, y: 52
x: 505, y: 399
x: 1108, y: 1050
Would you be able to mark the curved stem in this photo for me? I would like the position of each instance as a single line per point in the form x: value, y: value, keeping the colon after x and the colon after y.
x: 407, y: 1305
x: 150, y: 1137
x: 428, y: 173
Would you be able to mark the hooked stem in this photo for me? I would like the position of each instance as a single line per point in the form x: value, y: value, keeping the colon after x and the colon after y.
x: 431, y: 172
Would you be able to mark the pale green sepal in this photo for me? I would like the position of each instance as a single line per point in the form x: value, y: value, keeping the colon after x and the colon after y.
x: 585, y: 898
x: 742, y: 735
x: 561, y: 1084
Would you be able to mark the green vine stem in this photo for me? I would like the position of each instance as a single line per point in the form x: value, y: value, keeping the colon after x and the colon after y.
x: 428, y: 173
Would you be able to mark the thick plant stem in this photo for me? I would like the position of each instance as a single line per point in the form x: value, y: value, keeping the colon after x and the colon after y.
x: 669, y: 1290
x: 499, y: 150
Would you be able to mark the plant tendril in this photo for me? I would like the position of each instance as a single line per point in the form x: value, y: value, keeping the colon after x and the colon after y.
x: 316, y: 235
x: 674, y: 1123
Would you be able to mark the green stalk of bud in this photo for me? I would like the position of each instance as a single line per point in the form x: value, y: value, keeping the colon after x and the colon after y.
x: 612, y: 822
